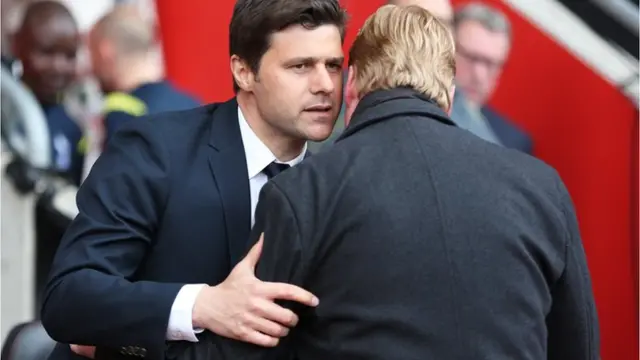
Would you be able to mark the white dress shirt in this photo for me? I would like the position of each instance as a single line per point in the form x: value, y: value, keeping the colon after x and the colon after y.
x: 258, y: 157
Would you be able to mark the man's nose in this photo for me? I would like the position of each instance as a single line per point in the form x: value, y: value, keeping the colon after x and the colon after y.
x: 322, y: 81
x: 60, y: 63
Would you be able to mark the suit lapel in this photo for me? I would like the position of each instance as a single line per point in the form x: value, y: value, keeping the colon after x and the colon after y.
x: 228, y: 165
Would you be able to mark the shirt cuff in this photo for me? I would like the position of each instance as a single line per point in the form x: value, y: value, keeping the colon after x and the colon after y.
x: 180, y: 320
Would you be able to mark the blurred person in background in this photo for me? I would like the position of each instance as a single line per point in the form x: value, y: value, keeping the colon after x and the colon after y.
x: 483, y: 40
x: 126, y: 60
x: 46, y: 45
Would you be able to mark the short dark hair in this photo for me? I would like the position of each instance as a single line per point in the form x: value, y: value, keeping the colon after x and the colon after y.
x: 254, y: 22
x: 37, y: 12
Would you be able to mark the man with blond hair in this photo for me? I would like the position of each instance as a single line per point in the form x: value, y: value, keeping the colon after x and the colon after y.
x: 421, y: 240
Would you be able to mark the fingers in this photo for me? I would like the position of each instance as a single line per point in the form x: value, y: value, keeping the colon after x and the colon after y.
x: 82, y: 350
x: 268, y: 327
x: 282, y: 291
x: 261, y: 339
x: 254, y: 254
x: 271, y: 311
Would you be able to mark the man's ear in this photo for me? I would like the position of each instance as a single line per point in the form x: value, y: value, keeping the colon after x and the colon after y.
x: 242, y: 73
x: 351, y: 95
x: 452, y: 94
x: 350, y: 91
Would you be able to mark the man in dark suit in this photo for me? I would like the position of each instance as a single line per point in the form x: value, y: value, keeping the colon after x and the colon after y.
x: 421, y: 240
x: 167, y: 209
x: 488, y: 124
x: 483, y: 41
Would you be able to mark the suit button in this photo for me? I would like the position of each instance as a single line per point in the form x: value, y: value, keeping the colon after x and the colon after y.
x: 177, y: 335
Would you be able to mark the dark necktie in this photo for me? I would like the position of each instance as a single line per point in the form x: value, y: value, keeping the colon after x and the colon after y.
x: 274, y: 169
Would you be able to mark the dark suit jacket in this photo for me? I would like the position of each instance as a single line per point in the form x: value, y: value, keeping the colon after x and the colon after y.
x: 166, y: 204
x: 509, y: 135
x: 423, y: 241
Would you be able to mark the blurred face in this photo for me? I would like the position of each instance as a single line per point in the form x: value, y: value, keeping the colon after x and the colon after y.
x: 48, y: 52
x: 298, y: 87
x: 480, y: 56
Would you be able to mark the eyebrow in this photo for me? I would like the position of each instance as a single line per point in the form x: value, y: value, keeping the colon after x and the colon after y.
x: 307, y: 60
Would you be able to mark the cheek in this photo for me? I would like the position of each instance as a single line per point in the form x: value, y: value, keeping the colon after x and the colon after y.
x: 338, y: 82
x: 290, y: 89
x: 462, y: 70
x: 40, y: 62
x: 70, y: 67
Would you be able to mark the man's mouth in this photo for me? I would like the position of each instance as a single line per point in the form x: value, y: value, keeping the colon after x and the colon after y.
x: 319, y: 108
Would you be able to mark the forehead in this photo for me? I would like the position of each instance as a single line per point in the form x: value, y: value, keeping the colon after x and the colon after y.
x: 474, y: 37
x: 296, y: 41
x: 53, y: 29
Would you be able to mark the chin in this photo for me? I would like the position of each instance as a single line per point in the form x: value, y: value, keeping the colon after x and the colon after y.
x: 319, y: 134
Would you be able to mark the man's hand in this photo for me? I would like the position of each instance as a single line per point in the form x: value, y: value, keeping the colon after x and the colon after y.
x: 86, y: 351
x: 243, y: 308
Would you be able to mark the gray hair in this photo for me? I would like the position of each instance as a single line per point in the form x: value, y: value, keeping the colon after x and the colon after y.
x: 489, y: 17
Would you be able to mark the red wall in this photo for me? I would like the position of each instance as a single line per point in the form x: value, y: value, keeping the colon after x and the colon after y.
x: 581, y: 125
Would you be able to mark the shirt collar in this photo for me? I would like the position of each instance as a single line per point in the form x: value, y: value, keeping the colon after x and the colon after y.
x: 257, y: 153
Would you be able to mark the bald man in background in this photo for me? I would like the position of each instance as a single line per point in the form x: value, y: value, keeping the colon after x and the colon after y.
x: 126, y: 60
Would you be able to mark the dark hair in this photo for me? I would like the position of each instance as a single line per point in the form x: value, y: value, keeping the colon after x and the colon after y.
x: 254, y: 21
x: 36, y: 12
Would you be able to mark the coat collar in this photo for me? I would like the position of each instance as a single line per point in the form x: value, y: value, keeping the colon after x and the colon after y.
x: 383, y: 105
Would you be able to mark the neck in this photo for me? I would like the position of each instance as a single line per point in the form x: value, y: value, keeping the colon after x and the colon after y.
x: 138, y: 71
x: 284, y: 147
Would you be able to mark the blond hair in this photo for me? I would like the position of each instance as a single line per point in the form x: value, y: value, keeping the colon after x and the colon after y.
x: 404, y: 46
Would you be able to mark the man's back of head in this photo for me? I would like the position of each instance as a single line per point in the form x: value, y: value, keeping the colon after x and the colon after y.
x: 129, y: 31
x: 402, y: 47
x: 124, y: 47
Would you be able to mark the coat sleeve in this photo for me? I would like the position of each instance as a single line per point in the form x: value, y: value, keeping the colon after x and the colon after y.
x: 573, y: 321
x: 91, y: 296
